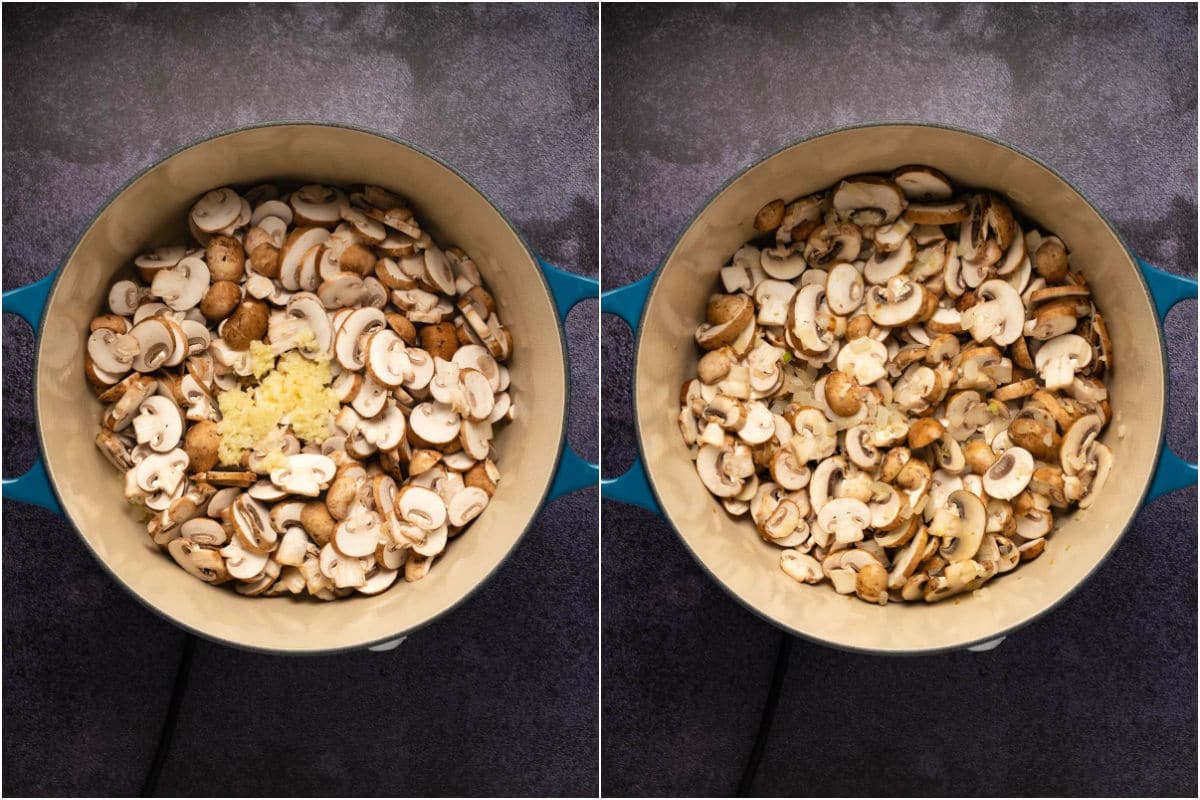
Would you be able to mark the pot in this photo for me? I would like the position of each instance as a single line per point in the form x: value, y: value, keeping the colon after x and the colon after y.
x: 665, y: 309
x: 73, y: 478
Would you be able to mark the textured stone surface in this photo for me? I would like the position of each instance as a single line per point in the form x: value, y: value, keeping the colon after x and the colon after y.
x: 498, y: 698
x: 1097, y: 698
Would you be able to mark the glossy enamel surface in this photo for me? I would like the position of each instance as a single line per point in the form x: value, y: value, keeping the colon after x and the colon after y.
x: 731, y: 551
x: 151, y: 211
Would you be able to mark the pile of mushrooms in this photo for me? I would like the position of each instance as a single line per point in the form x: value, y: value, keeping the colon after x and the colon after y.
x: 416, y: 349
x: 901, y: 386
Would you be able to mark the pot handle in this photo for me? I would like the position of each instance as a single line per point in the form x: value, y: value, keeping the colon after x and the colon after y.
x: 569, y: 290
x: 632, y: 488
x: 28, y: 303
x: 1172, y: 472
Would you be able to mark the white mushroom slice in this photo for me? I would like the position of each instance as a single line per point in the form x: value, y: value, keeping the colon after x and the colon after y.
x: 815, y: 438
x: 349, y: 340
x: 477, y: 357
x: 305, y: 474
x: 438, y: 272
x: 385, y: 358
x: 435, y: 423
x: 899, y: 303
x: 386, y: 429
x: 216, y: 210
x: 377, y: 580
x: 801, y: 567
x: 266, y: 492
x: 272, y: 208
x: 159, y: 423
x: 1011, y: 473
x: 358, y: 534
x: 999, y: 316
x: 308, y: 310
x: 124, y: 297
x: 869, y: 200
x: 884, y: 266
x: 773, y: 298
x: 423, y: 367
x: 1058, y: 360
x: 163, y: 472
x: 476, y: 439
x: 843, y: 289
x: 788, y: 472
x: 156, y: 344
x: 709, y: 466
x: 183, y: 286
x: 370, y: 229
x: 370, y: 398
x: 317, y: 205
x: 759, y: 424
x: 160, y: 258
x: 112, y: 352
x: 923, y: 184
x: 204, y: 531
x: 294, y: 252
x: 846, y: 518
x: 1104, y: 463
x: 864, y: 359
x: 782, y: 263
x: 341, y: 290
x: 478, y: 399
x: 466, y: 505
x: 421, y: 507
x: 803, y: 324
x: 343, y: 571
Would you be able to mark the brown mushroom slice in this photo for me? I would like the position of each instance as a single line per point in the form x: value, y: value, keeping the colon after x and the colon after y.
x: 955, y: 579
x: 833, y: 242
x: 159, y: 424
x: 423, y: 368
x: 351, y: 336
x: 773, y: 298
x: 788, y: 472
x: 124, y: 297
x: 216, y: 210
x: 314, y: 204
x: 728, y: 317
x: 242, y: 562
x: 1060, y: 358
x: 199, y: 562
x: 183, y: 286
x: 1075, y: 451
x: 252, y: 523
x: 204, y: 531
x: 864, y: 359
x: 868, y: 200
x: 946, y: 212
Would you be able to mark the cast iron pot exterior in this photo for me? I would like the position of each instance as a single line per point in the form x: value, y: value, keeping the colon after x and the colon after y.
x: 671, y: 305
x: 151, y: 211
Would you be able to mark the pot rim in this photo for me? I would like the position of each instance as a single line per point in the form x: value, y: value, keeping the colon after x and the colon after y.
x: 656, y: 275
x: 560, y: 331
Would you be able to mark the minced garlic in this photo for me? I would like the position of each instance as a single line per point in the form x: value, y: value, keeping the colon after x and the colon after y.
x: 293, y: 391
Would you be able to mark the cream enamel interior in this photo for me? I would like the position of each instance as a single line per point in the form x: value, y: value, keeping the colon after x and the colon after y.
x: 151, y: 212
x: 730, y: 549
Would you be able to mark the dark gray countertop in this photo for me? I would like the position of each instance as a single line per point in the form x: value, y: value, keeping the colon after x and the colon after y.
x: 497, y: 698
x: 1099, y: 697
